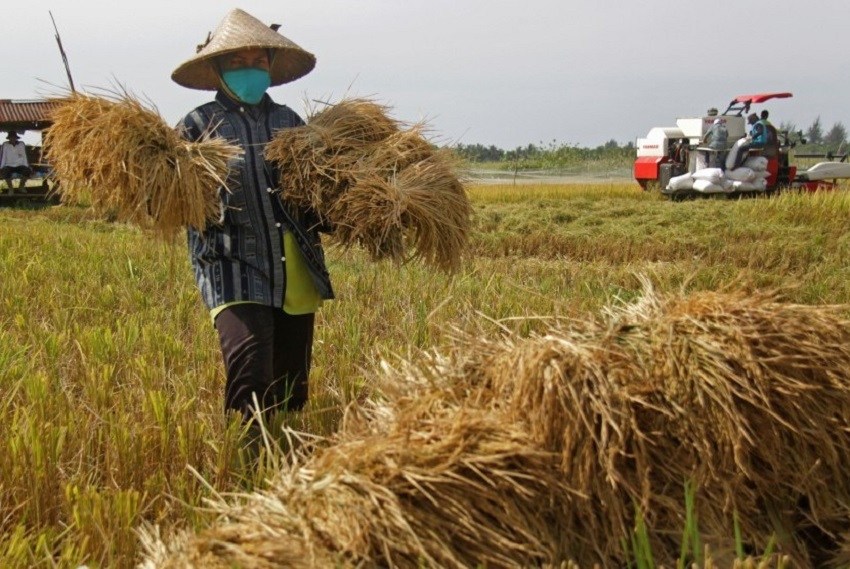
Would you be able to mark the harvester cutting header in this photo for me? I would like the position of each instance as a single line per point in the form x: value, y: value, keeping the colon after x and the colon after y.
x: 733, y: 153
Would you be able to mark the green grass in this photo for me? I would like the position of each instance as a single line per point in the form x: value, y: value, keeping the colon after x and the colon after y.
x: 112, y: 381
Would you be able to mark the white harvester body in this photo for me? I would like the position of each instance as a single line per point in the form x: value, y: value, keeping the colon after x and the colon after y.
x: 673, y: 158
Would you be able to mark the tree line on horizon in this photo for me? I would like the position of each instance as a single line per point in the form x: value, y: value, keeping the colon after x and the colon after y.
x: 547, y: 155
x: 814, y: 139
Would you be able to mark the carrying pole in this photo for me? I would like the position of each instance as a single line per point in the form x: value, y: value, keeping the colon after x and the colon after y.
x: 62, y: 52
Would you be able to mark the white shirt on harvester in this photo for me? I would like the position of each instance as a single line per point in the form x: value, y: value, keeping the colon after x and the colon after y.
x: 13, y: 154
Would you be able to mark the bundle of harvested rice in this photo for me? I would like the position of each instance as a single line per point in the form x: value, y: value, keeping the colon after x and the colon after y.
x: 520, y: 451
x: 320, y: 159
x: 755, y: 395
x: 123, y: 159
x: 378, y: 186
x: 744, y: 396
x: 451, y: 488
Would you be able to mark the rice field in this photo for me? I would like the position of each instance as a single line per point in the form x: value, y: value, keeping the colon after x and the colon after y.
x: 111, y: 415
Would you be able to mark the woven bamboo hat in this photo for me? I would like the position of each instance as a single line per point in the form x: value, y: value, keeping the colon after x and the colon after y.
x: 240, y: 30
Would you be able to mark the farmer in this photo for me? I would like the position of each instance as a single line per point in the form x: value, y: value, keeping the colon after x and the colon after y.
x: 13, y: 160
x: 716, y: 140
x: 261, y: 269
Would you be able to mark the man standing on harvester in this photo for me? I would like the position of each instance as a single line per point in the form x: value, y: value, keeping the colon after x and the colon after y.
x: 716, y: 138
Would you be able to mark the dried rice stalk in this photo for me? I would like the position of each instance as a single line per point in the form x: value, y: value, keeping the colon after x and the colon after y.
x: 380, y: 187
x: 755, y: 393
x: 744, y: 395
x: 534, y: 451
x: 320, y: 159
x: 447, y: 489
x: 125, y: 161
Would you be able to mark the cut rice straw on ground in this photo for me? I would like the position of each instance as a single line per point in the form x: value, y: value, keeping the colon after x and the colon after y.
x: 121, y: 158
x: 378, y: 186
x: 453, y: 491
x: 534, y: 451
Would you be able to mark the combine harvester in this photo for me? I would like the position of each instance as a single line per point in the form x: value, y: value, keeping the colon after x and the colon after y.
x: 672, y: 160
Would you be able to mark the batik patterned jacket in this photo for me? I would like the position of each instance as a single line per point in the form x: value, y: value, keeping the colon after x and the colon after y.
x: 241, y: 258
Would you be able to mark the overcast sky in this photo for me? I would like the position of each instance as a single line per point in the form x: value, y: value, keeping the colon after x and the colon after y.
x: 497, y: 72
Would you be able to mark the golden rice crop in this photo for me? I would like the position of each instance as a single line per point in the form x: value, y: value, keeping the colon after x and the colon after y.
x: 743, y: 395
x: 377, y: 185
x: 445, y: 490
x: 122, y: 159
x: 532, y: 451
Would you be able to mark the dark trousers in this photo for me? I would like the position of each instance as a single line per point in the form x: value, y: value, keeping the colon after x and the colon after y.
x: 715, y: 159
x: 266, y: 353
x: 24, y: 172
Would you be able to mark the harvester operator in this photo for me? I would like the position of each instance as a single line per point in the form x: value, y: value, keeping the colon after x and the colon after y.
x: 261, y: 270
x: 757, y: 139
x: 758, y: 131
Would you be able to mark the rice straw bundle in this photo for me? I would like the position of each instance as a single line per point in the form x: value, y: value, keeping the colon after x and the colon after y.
x: 515, y: 451
x: 319, y: 160
x: 756, y: 396
x: 125, y: 161
x: 378, y: 186
x: 456, y: 490
x: 743, y: 395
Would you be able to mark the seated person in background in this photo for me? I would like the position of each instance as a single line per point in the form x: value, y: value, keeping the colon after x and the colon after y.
x: 716, y: 138
x: 13, y: 160
x: 757, y: 138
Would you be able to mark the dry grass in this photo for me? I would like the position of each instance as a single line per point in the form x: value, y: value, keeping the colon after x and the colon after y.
x: 512, y: 451
x: 122, y: 159
x: 377, y: 185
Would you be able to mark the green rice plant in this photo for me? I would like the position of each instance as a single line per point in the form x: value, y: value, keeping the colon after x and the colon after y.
x: 641, y: 550
x: 691, y: 542
x: 693, y: 553
x: 739, y: 540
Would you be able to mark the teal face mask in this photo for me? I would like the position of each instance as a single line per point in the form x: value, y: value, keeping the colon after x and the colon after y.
x: 248, y: 84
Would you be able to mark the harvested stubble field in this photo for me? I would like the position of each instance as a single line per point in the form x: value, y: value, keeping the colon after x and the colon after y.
x: 110, y: 373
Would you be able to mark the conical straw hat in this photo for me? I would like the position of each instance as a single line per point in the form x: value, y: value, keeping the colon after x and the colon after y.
x: 240, y: 30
